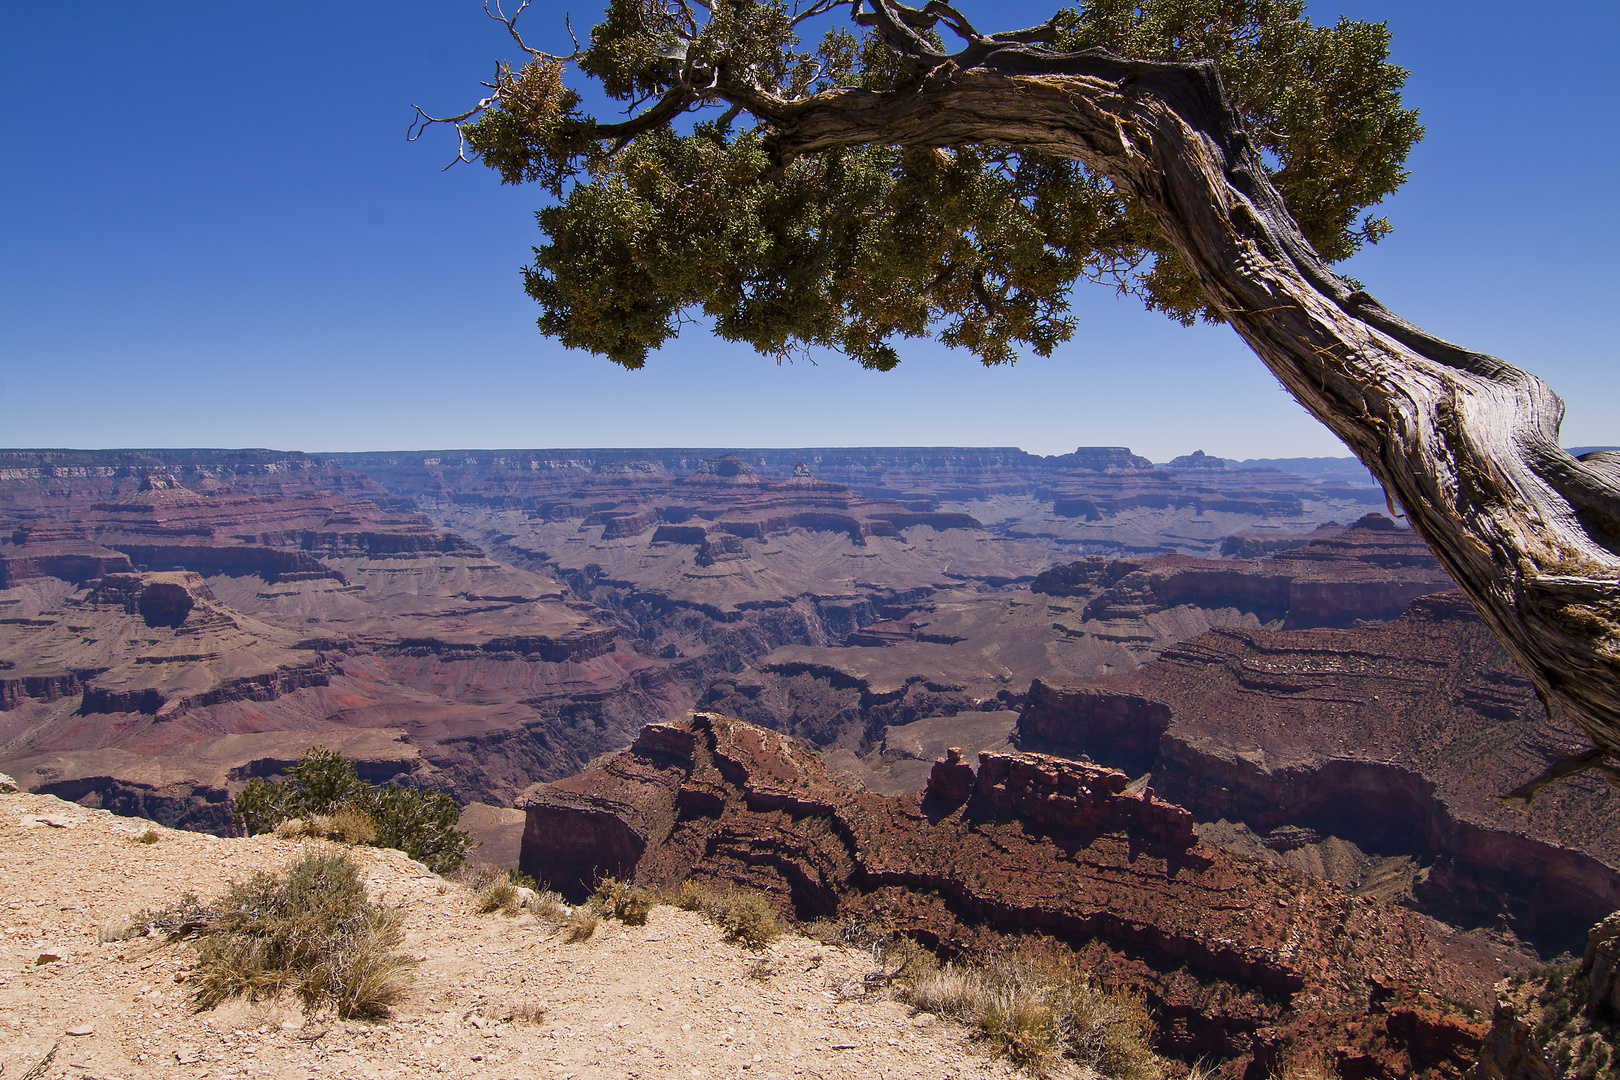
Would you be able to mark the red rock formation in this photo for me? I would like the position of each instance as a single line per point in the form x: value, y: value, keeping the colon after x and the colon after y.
x: 1398, y: 737
x: 1369, y: 572
x: 1241, y: 960
x: 302, y: 614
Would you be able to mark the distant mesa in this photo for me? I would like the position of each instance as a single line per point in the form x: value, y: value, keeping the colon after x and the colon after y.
x: 1197, y: 460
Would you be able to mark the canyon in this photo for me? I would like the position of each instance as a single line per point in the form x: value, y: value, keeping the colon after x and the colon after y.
x: 862, y: 681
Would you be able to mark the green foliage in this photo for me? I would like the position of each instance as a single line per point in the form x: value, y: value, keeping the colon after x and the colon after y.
x: 630, y: 904
x: 747, y: 917
x: 1580, y: 1041
x: 323, y: 783
x: 685, y: 208
x: 310, y: 930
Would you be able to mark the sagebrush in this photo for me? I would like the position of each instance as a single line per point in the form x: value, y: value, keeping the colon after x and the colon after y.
x: 309, y: 930
x: 746, y: 916
x: 1041, y: 1010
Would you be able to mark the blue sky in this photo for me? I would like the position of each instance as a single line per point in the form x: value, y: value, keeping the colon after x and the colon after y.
x: 213, y: 233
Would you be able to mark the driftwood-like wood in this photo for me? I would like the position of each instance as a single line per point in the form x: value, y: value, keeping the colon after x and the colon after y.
x: 1467, y: 444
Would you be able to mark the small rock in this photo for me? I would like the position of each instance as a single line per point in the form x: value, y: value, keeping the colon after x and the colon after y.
x: 46, y: 958
x: 82, y: 1029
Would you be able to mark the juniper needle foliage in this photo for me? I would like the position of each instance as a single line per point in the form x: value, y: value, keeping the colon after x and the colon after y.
x: 692, y: 204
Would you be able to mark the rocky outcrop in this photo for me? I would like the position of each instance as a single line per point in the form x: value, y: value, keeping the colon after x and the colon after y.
x: 1397, y: 738
x: 13, y: 692
x: 1509, y: 1051
x: 1601, y: 966
x: 1241, y: 961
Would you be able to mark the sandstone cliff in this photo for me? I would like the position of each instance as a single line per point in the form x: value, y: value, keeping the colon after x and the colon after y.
x: 1241, y: 960
x: 1397, y: 738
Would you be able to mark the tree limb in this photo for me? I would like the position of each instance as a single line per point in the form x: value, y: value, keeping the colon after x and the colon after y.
x: 1466, y: 443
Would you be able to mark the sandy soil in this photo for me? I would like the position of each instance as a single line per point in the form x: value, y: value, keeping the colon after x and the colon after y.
x: 667, y: 999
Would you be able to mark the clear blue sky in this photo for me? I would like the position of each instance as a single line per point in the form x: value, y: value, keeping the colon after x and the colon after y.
x: 213, y: 233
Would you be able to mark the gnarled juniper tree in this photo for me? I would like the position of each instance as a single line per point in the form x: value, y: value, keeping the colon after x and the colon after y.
x: 1214, y: 157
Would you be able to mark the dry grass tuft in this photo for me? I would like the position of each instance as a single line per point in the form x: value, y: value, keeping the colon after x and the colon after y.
x: 746, y: 917
x: 525, y: 1014
x: 310, y: 930
x: 352, y: 825
x: 347, y: 825
x: 121, y: 929
x: 549, y: 906
x: 580, y: 924
x: 498, y: 894
x: 150, y: 836
x: 1040, y: 1011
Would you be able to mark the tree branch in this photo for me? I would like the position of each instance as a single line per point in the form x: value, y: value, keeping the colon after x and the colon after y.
x: 1466, y: 443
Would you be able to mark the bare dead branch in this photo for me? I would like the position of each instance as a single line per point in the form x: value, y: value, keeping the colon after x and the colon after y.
x: 510, y: 22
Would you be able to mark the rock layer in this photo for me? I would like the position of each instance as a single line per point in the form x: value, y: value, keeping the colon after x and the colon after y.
x: 1396, y: 737
x: 1241, y: 960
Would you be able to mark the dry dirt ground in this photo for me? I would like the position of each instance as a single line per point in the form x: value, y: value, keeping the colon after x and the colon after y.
x: 669, y: 999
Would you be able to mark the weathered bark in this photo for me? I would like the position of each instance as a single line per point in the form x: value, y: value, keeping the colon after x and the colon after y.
x: 1467, y: 444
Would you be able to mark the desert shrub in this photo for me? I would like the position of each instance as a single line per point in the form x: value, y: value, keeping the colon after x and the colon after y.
x: 522, y: 880
x: 1579, y: 1042
x: 324, y: 794
x: 150, y: 836
x: 746, y: 916
x: 497, y: 894
x: 1039, y: 1010
x: 630, y: 904
x: 310, y: 930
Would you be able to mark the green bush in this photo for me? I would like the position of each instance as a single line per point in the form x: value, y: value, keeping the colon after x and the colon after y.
x: 630, y: 904
x: 324, y: 784
x: 746, y: 916
x: 309, y: 930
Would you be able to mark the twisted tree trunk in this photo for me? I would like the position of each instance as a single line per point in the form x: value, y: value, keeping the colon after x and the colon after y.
x: 1467, y: 444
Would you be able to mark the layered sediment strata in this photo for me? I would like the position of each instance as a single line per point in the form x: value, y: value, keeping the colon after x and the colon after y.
x: 301, y: 617
x: 956, y: 651
x: 1336, y: 576
x: 1242, y: 961
x: 1397, y: 738
x: 1097, y: 498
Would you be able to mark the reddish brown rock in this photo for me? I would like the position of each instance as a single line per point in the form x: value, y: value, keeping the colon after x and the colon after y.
x: 1241, y: 960
x: 1369, y: 572
x: 1398, y: 738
